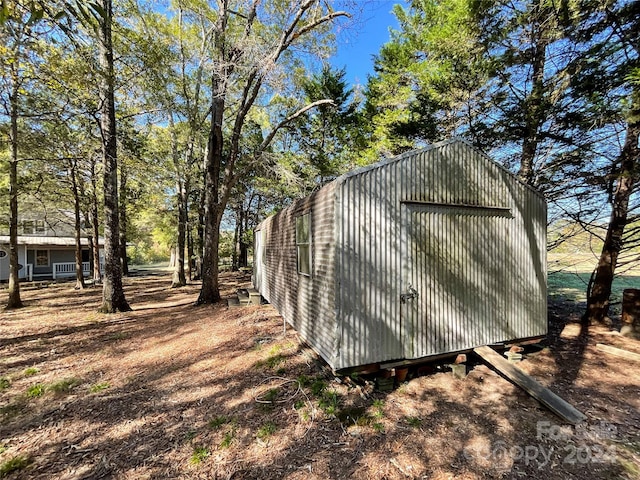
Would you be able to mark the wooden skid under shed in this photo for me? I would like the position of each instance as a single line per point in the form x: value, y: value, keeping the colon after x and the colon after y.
x: 545, y: 396
x: 618, y: 352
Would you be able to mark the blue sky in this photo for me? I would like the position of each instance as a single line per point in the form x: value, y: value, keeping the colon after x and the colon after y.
x: 362, y: 39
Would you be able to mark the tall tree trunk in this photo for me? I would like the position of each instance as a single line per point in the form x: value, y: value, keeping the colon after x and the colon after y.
x: 189, y: 239
x: 243, y: 260
x: 92, y: 247
x: 189, y: 267
x: 225, y: 59
x: 86, y: 215
x: 113, y: 298
x: 598, y: 297
x: 179, y: 279
x: 242, y: 246
x: 14, y: 281
x: 200, y: 243
x: 124, y: 262
x: 95, y: 222
x: 534, y: 108
x: 73, y: 173
x: 210, y: 292
x: 236, y: 245
x: 244, y: 255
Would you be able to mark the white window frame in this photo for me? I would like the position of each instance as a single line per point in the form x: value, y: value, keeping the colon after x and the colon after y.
x: 36, y: 257
x: 40, y: 228
x: 304, y: 244
x: 3, y: 253
x: 28, y: 227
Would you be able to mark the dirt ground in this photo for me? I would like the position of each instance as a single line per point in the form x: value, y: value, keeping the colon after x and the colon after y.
x: 171, y: 390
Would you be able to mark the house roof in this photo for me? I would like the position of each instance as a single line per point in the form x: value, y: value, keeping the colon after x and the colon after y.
x: 48, y: 241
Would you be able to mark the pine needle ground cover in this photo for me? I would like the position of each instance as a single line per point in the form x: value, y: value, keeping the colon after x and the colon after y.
x: 171, y: 390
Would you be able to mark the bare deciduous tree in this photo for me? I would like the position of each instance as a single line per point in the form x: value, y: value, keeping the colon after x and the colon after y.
x: 245, y: 61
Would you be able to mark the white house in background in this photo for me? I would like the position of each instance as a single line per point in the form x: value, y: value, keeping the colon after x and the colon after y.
x: 46, y: 248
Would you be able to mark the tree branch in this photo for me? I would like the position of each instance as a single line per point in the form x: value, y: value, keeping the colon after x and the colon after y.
x: 265, y: 143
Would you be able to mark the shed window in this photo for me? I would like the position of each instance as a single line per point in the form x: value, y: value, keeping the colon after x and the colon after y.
x: 303, y: 243
x: 42, y: 258
x: 3, y: 253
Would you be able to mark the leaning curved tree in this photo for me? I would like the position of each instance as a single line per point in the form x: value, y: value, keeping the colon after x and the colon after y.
x: 250, y: 41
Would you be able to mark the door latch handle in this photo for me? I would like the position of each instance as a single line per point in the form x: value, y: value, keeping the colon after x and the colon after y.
x: 412, y: 293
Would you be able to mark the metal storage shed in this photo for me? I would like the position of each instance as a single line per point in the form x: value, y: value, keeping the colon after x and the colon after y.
x: 432, y: 252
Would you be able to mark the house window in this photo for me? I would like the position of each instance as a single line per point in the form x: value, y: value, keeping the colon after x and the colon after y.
x: 303, y: 243
x: 42, y: 258
x: 27, y: 227
x: 3, y: 253
x: 40, y: 228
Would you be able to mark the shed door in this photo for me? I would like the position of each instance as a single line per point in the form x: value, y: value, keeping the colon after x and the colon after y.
x: 453, y: 272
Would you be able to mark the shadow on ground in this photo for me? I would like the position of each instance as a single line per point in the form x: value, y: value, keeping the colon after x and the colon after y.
x: 171, y: 390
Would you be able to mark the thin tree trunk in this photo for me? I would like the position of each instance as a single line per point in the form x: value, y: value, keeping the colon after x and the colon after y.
x: 236, y: 245
x: 189, y: 267
x: 244, y: 255
x: 86, y: 215
x: 190, y: 257
x: 243, y: 261
x: 242, y: 246
x: 179, y: 279
x: 87, y: 221
x: 77, y: 225
x: 124, y: 262
x: 113, y: 298
x: 534, y: 111
x: 14, y: 281
x: 598, y: 297
x: 95, y: 222
x: 92, y: 246
x: 200, y: 232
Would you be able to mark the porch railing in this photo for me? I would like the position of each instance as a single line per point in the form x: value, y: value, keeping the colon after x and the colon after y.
x: 68, y: 269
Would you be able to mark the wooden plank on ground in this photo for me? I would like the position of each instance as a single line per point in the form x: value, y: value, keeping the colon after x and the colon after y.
x: 618, y: 352
x: 545, y: 396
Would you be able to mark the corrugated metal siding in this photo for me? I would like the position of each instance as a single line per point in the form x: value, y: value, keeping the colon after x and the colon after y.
x: 460, y: 229
x: 369, y: 259
x: 306, y: 302
x: 527, y: 263
x: 448, y: 220
x: 461, y: 281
